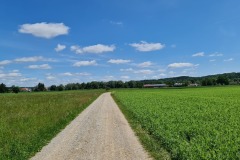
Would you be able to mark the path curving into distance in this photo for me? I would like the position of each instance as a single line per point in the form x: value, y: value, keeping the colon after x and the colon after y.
x: 100, y: 132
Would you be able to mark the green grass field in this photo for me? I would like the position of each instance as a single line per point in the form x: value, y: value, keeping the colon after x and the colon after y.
x: 193, y: 123
x: 29, y: 120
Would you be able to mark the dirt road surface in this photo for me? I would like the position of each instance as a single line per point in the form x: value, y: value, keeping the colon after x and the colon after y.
x: 100, y: 132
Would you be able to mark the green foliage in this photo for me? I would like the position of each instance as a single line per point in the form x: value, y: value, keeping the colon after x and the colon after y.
x: 193, y: 123
x: 40, y: 87
x: 223, y: 80
x: 3, y: 88
x: 28, y: 121
x: 15, y: 89
x: 53, y: 88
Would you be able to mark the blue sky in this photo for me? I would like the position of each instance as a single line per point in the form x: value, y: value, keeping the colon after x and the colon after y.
x: 60, y: 41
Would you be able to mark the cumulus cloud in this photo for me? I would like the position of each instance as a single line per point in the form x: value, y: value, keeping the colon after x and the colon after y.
x: 50, y: 77
x: 5, y: 62
x: 75, y: 74
x: 85, y: 63
x: 180, y: 65
x: 228, y: 60
x: 34, y: 59
x: 125, y: 77
x: 216, y: 55
x: 60, y: 48
x: 29, y: 59
x: 27, y: 79
x: 126, y: 70
x: 43, y: 66
x: 162, y: 75
x: 118, y: 61
x: 44, y: 30
x: 199, y: 54
x: 146, y: 47
x: 145, y: 64
x: 10, y: 75
x: 143, y: 71
x: 98, y: 48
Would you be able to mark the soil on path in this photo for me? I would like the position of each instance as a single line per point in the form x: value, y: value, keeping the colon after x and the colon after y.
x: 100, y: 132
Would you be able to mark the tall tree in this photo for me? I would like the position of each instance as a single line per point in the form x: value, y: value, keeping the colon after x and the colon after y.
x: 40, y: 87
x: 3, y: 88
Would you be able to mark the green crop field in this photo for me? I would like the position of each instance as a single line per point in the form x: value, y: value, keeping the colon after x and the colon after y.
x: 29, y: 120
x: 193, y: 123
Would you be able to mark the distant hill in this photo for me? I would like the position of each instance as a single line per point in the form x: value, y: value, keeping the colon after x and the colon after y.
x: 233, y: 77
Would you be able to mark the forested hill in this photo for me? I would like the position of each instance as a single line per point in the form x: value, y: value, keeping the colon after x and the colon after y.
x: 233, y: 78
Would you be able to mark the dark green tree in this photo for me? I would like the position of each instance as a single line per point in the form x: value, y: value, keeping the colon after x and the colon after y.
x: 15, y: 89
x: 40, y: 87
x: 3, y: 88
x: 60, y: 87
x: 53, y: 88
x: 223, y: 80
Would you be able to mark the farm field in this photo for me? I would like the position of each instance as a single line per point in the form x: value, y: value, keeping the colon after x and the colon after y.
x: 29, y: 120
x: 191, y: 123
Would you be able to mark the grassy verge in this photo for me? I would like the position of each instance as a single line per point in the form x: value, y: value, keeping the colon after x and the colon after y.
x: 28, y: 121
x: 149, y: 143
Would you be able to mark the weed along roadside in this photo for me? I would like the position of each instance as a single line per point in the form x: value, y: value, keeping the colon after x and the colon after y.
x: 30, y: 120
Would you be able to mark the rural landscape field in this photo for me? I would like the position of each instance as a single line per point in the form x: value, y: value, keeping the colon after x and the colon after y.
x: 28, y: 121
x: 196, y: 123
x: 120, y: 80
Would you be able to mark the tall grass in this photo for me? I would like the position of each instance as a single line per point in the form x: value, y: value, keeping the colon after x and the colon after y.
x: 29, y: 121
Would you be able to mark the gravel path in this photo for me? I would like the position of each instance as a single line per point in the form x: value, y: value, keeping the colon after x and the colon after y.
x: 100, y: 132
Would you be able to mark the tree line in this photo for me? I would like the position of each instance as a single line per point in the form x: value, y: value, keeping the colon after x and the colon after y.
x: 211, y: 80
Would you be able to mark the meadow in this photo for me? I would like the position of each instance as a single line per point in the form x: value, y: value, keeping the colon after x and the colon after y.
x: 191, y: 123
x: 29, y: 121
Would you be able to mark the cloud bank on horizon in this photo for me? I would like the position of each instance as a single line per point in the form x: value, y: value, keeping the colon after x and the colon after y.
x: 125, y: 41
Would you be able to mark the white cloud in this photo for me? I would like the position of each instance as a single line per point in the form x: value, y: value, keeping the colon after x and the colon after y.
x: 66, y: 74
x: 126, y: 70
x: 75, y: 74
x: 118, y: 61
x: 29, y: 59
x: 146, y: 47
x: 162, y: 75
x: 27, y: 79
x: 5, y: 62
x: 144, y: 71
x: 216, y: 55
x: 212, y: 60
x: 60, y: 48
x: 228, y: 60
x: 44, y: 30
x: 43, y: 66
x: 145, y: 64
x: 180, y: 65
x: 85, y: 63
x: 125, y: 77
x: 50, y: 77
x: 98, y: 48
x: 199, y: 54
x: 10, y: 75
